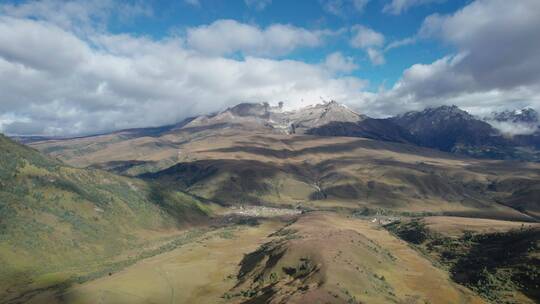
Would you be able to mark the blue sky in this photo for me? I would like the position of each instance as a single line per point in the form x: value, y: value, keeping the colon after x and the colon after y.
x: 75, y: 67
x: 171, y: 16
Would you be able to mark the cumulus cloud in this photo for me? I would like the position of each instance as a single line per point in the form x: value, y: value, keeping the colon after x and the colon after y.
x: 86, y: 80
x: 104, y: 82
x: 336, y: 62
x: 397, y: 7
x: 369, y: 40
x: 225, y: 37
x: 365, y: 37
x: 496, y: 64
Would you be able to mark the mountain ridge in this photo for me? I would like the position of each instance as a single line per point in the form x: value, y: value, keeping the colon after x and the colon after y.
x: 446, y: 128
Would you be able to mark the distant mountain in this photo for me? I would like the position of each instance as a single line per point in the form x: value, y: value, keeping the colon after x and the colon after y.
x: 124, y: 133
x: 262, y: 116
x: 445, y: 128
x: 257, y: 153
x: 525, y: 116
x: 323, y: 114
x: 326, y: 119
x: 522, y: 126
x: 524, y: 122
x: 379, y: 129
x: 449, y: 128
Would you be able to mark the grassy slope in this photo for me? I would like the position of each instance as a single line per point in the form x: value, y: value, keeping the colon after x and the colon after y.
x: 234, y: 166
x: 326, y: 258
x: 201, y: 271
x: 503, y: 266
x: 57, y: 221
x: 320, y: 258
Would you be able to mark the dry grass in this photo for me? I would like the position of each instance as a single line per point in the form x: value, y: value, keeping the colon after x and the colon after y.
x: 344, y: 261
x: 327, y: 258
x: 456, y: 226
x: 320, y: 171
x: 199, y: 272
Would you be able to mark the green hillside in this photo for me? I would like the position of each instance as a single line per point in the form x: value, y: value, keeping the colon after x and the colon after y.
x: 503, y: 266
x: 57, y: 221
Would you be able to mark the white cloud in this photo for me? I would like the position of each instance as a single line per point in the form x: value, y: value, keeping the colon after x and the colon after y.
x: 364, y: 37
x: 400, y: 43
x: 512, y: 129
x: 342, y: 7
x: 258, y: 4
x: 77, y: 15
x: 57, y: 50
x: 496, y: 65
x: 86, y: 80
x: 336, y: 62
x: 375, y: 56
x: 397, y: 7
x: 369, y: 40
x: 107, y: 82
x: 225, y: 37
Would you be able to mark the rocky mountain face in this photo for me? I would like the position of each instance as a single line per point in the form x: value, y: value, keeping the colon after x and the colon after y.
x: 255, y: 116
x: 445, y: 128
x: 256, y: 153
x: 378, y: 129
x: 451, y: 129
x: 448, y: 128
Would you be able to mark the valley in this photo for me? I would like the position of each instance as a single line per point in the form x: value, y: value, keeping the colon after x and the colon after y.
x: 255, y: 204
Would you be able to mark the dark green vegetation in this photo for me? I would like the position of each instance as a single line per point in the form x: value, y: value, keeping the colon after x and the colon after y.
x: 495, y: 265
x: 59, y: 224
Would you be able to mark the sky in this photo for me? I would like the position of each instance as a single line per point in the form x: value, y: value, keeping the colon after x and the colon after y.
x: 78, y: 67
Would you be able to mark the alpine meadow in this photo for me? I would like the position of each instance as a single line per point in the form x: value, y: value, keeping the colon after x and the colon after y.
x: 270, y: 151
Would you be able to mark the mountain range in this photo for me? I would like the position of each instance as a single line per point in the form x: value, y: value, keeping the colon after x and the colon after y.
x: 445, y: 128
x: 325, y: 154
x: 166, y: 203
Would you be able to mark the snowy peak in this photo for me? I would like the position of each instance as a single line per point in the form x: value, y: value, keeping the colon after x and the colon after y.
x: 515, y: 122
x: 322, y: 114
x: 526, y: 115
x: 447, y: 128
x: 274, y: 119
x: 442, y: 113
x: 262, y: 109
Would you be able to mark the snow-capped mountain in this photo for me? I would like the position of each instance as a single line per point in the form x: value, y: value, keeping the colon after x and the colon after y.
x: 263, y: 115
x: 517, y: 122
x: 448, y: 128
